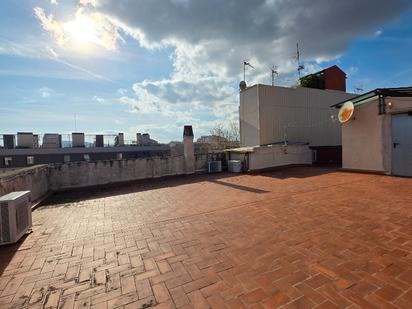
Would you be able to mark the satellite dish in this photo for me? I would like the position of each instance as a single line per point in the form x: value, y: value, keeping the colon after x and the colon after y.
x: 242, y: 85
x: 346, y: 112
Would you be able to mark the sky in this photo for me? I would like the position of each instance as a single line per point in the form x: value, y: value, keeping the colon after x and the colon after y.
x: 101, y: 66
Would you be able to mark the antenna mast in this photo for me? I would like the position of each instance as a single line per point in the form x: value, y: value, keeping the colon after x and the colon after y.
x: 300, y: 66
x: 359, y: 89
x: 274, y: 72
x: 245, y: 64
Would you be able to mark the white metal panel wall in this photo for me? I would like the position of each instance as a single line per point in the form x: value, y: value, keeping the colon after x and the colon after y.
x: 302, y: 114
x: 249, y: 117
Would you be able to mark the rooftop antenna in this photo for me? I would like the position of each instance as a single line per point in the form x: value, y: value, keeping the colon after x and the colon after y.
x: 300, y: 65
x: 359, y: 89
x: 245, y: 64
x: 274, y: 72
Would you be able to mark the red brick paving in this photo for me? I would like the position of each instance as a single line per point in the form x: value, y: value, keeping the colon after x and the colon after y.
x: 298, y: 238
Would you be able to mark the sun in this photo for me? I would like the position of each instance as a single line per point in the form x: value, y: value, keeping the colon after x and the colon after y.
x: 82, y: 30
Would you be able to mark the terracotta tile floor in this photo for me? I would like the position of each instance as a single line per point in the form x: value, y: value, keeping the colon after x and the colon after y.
x: 298, y: 238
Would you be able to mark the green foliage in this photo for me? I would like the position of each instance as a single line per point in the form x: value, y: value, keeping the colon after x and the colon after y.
x: 313, y: 81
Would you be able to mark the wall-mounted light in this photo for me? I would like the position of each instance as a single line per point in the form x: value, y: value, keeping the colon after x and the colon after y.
x: 389, y: 104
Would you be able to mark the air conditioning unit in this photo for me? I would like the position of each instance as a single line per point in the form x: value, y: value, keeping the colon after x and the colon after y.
x: 15, y: 216
x: 214, y: 166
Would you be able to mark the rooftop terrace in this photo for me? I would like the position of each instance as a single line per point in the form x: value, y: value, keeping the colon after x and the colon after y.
x: 303, y: 237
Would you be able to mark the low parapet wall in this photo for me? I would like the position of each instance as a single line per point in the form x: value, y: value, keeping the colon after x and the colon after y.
x: 86, y: 174
x: 35, y: 179
x: 270, y: 156
x: 279, y: 155
x: 41, y: 179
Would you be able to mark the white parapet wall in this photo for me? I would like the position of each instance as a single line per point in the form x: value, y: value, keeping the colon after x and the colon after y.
x: 264, y: 157
x: 279, y: 155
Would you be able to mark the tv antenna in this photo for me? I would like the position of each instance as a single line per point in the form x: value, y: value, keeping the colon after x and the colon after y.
x: 359, y: 89
x: 300, y: 65
x: 274, y: 71
x: 246, y: 64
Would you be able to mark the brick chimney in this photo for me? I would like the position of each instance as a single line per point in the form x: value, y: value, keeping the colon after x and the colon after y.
x: 188, y: 150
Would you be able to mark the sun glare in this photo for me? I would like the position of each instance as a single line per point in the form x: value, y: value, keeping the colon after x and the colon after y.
x: 82, y: 30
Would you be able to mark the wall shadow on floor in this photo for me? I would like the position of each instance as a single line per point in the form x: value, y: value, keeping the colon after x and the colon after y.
x: 82, y: 194
x: 238, y: 187
x: 7, y: 253
x: 298, y: 171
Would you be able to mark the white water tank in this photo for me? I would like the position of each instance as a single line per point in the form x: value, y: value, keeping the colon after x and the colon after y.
x: 235, y: 166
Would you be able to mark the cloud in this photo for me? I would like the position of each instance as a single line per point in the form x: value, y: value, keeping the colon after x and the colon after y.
x: 98, y: 99
x: 81, y: 69
x: 40, y: 50
x: 352, y: 71
x: 218, y: 35
x: 84, y: 30
x: 51, y: 25
x: 45, y: 92
x: 121, y: 91
x: 179, y: 98
x: 54, y: 2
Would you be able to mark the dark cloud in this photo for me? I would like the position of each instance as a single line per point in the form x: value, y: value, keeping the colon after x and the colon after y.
x: 325, y: 27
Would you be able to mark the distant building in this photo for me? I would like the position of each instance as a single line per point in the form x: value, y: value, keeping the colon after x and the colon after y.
x: 27, y: 157
x: 332, y: 78
x: 27, y: 140
x: 212, y: 139
x: 52, y: 140
x: 28, y: 152
x: 145, y: 140
x: 177, y: 149
x: 217, y: 142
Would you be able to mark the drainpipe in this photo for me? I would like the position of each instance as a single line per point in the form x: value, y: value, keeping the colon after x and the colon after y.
x: 381, y: 104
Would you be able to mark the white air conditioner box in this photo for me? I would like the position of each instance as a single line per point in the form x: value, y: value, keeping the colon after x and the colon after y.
x: 214, y: 166
x: 15, y: 216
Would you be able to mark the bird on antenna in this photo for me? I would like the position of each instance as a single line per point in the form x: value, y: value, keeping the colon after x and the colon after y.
x: 274, y: 71
x: 246, y: 64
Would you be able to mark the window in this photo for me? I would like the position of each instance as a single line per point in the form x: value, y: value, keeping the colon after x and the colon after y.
x: 66, y: 158
x: 86, y: 157
x: 7, y: 161
x: 30, y: 160
x: 119, y: 156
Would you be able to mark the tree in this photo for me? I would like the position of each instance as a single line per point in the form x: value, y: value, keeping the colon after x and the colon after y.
x: 224, y: 136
